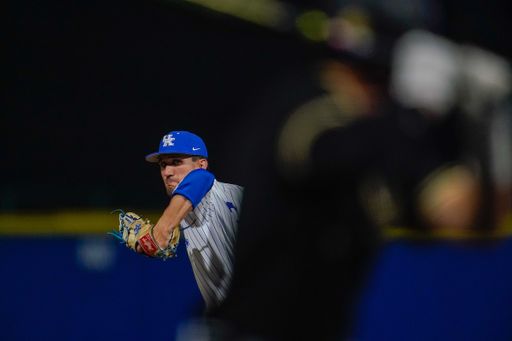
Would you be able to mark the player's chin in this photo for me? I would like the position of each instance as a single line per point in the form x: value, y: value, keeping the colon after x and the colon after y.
x: 170, y: 189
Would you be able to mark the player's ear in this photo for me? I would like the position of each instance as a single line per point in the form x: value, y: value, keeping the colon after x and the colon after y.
x: 203, y: 163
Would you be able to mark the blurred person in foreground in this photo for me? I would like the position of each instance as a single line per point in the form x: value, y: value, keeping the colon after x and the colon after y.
x: 423, y: 142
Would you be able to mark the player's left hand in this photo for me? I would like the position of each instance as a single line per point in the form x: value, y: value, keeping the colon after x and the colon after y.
x: 137, y: 233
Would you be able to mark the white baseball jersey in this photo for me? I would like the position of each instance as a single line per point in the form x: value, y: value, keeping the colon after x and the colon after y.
x: 209, y: 232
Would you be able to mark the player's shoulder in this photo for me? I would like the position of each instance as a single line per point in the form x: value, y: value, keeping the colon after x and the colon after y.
x: 225, y: 186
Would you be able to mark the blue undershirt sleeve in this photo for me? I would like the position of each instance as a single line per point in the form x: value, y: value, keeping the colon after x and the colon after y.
x: 195, y: 185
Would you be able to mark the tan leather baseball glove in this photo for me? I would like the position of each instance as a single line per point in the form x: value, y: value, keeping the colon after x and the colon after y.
x: 135, y: 231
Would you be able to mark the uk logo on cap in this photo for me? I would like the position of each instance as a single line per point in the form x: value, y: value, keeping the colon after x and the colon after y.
x: 167, y: 140
x: 179, y: 142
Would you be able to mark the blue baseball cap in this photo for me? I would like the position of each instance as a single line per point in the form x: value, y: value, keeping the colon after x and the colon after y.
x: 179, y: 142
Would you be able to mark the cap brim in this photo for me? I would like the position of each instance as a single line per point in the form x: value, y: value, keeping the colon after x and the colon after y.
x: 153, y: 157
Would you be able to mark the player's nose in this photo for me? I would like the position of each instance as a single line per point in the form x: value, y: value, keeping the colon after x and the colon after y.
x: 169, y: 170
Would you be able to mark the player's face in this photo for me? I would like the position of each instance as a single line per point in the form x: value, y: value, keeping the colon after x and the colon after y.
x: 175, y: 167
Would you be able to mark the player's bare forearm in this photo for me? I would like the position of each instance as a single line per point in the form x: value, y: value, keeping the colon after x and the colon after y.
x: 177, y: 210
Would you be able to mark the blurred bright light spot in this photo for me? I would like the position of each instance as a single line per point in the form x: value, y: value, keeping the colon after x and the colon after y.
x: 96, y: 254
x: 314, y: 25
x: 486, y: 78
x: 425, y: 72
x: 351, y: 31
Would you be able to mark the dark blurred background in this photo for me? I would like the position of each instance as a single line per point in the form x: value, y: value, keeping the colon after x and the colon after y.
x: 88, y: 89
